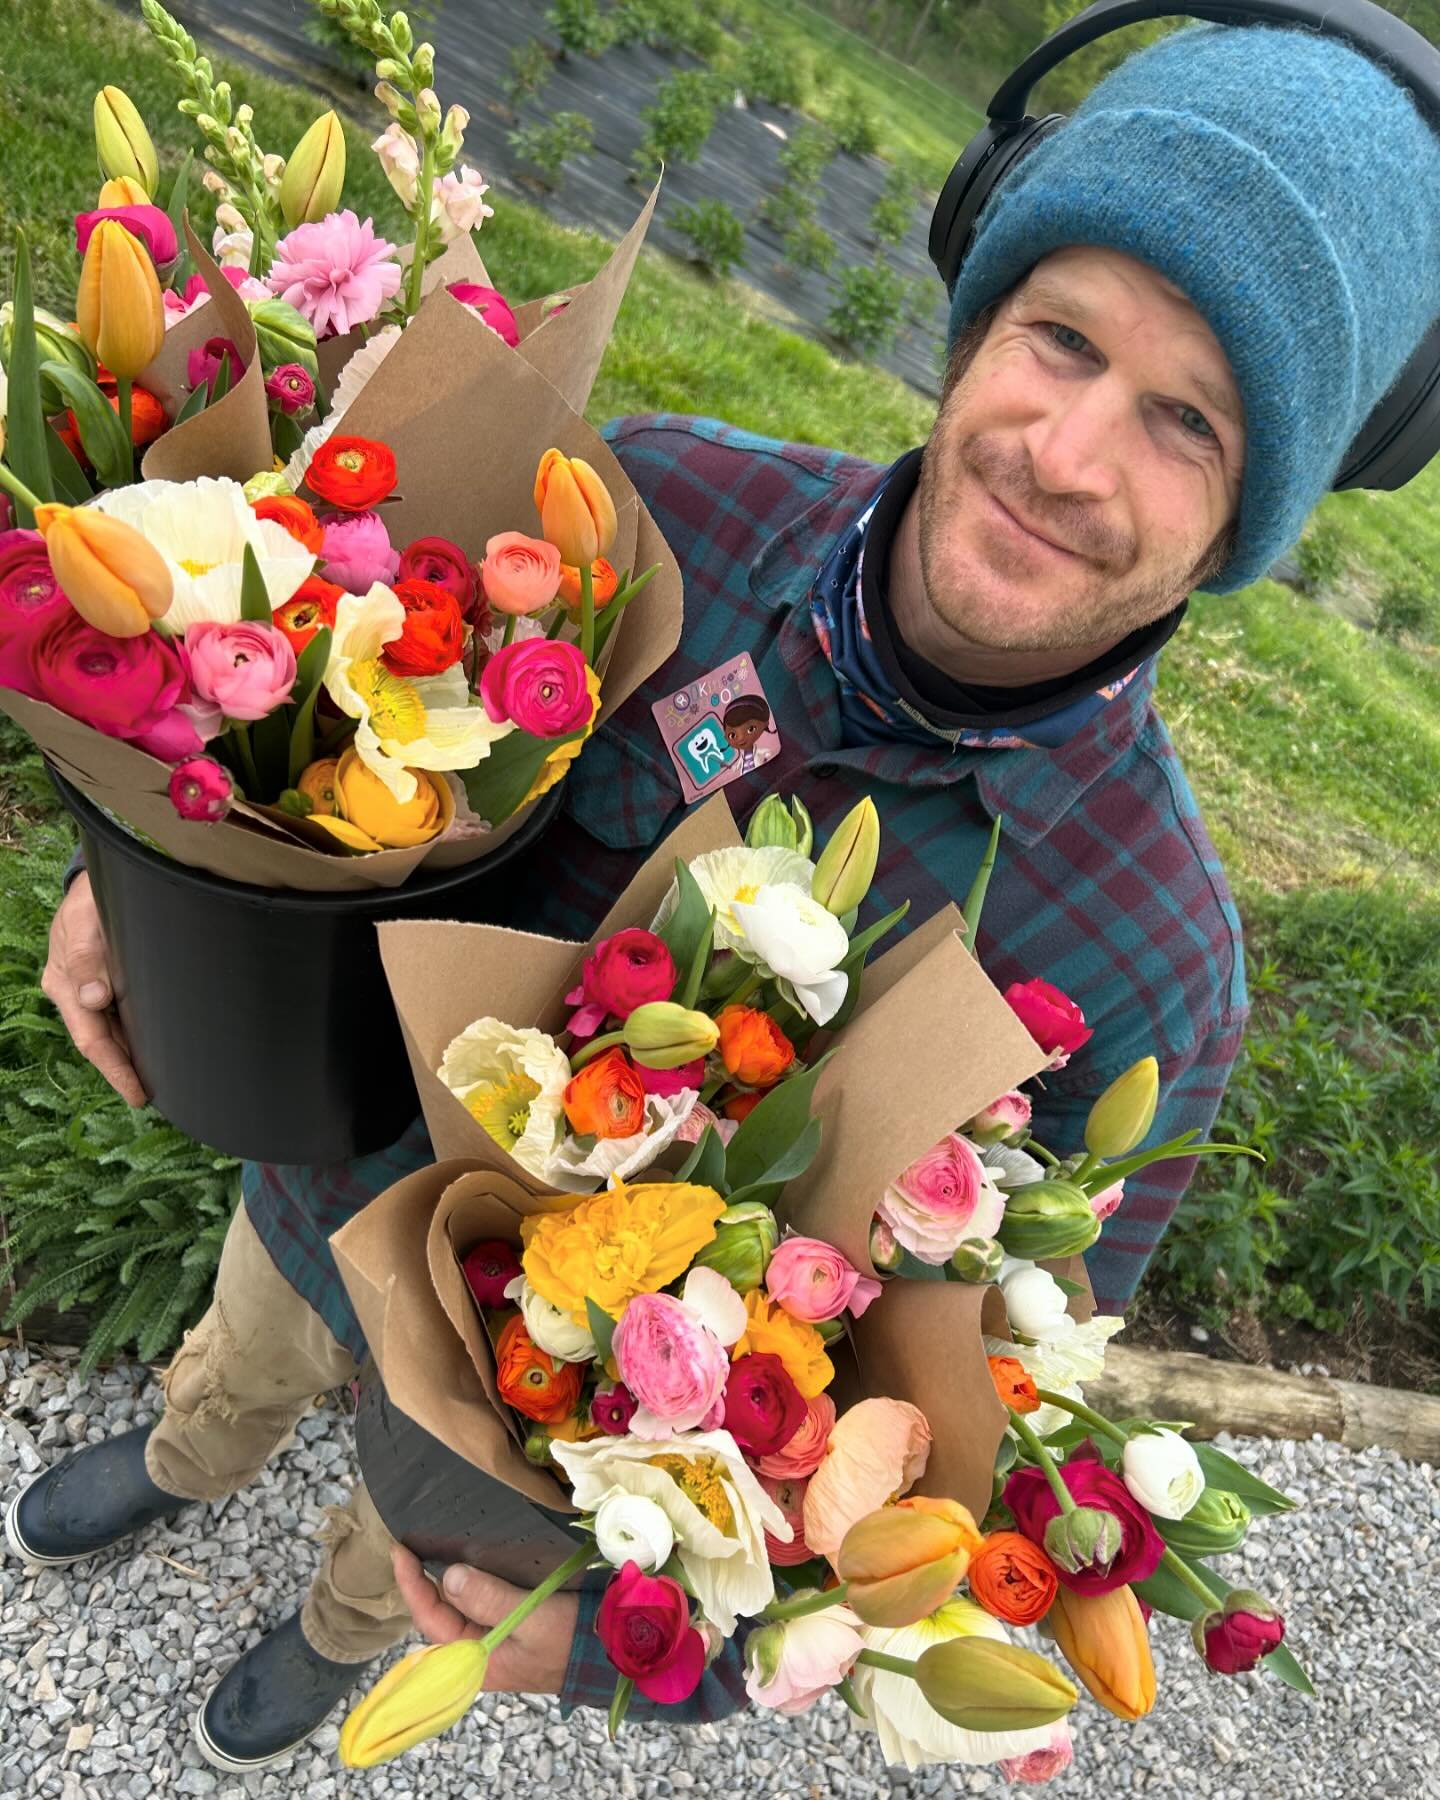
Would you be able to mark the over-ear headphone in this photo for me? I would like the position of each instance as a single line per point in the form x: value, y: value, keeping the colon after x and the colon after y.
x: 1402, y: 434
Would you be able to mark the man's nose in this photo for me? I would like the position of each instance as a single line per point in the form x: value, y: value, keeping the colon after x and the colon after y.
x: 1075, y: 446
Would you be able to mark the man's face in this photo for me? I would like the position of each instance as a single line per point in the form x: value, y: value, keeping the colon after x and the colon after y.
x: 1083, y: 464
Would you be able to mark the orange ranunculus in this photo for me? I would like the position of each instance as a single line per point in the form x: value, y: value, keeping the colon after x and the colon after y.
x: 433, y: 637
x: 118, y: 306
x: 311, y: 605
x: 604, y: 583
x: 1014, y: 1383
x: 901, y: 1562
x: 116, y: 579
x: 740, y: 1106
x: 1012, y: 1578
x: 576, y: 512
x: 1104, y: 1640
x: 296, y: 515
x: 148, y: 421
x: 606, y: 1099
x: 770, y: 1330
x: 753, y: 1047
x: 353, y: 473
x: 532, y: 1382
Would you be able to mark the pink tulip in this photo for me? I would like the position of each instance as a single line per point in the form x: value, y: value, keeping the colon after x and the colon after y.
x: 148, y: 223
x: 1051, y: 1017
x: 492, y: 307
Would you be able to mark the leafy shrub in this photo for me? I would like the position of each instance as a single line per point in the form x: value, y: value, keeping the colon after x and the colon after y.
x: 1321, y: 554
x: 771, y: 71
x: 549, y: 147
x: 681, y: 120
x: 789, y: 208
x: 922, y: 295
x: 668, y: 25
x: 805, y: 153
x: 854, y: 124
x: 529, y: 71
x: 579, y: 25
x: 810, y: 246
x: 717, y: 238
x: 867, y: 308
x: 894, y: 209
x: 1408, y: 608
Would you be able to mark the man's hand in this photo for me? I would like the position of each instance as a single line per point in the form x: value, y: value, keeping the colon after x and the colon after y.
x: 77, y: 983
x: 532, y: 1660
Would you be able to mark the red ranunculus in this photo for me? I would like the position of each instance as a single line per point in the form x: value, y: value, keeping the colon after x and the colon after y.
x: 763, y: 1407
x: 311, y: 605
x: 612, y: 1409
x: 437, y: 560
x: 1028, y: 1496
x: 489, y: 1269
x: 1053, y: 1019
x: 628, y: 969
x: 644, y: 1624
x: 434, y: 633
x: 1234, y: 1640
x: 353, y: 473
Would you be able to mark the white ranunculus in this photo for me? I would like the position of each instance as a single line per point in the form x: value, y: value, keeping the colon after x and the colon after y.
x: 1163, y: 1472
x: 575, y: 1170
x: 738, y: 873
x: 797, y: 939
x: 1035, y: 1303
x: 554, y: 1331
x: 511, y: 1080
x: 630, y: 1528
x: 715, y: 1304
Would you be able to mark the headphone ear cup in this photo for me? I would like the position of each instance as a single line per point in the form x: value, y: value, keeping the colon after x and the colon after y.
x: 1402, y: 433
x: 987, y: 159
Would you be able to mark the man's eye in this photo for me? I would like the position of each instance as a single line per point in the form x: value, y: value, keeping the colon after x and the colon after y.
x: 1195, y: 422
x: 1066, y: 337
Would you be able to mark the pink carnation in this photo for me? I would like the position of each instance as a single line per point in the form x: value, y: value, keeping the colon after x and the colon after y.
x: 674, y: 1366
x: 356, y: 552
x: 944, y: 1197
x: 336, y: 272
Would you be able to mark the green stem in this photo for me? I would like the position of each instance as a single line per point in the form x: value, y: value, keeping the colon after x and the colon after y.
x: 1091, y: 1162
x: 123, y: 386
x: 750, y: 985
x: 711, y: 1088
x: 13, y: 485
x: 423, y: 200
x: 557, y: 624
x: 537, y: 1596
x: 606, y: 1041
x: 240, y: 736
x: 1043, y: 1461
x: 778, y: 1610
x: 975, y: 899
x: 1079, y: 1410
x: 509, y: 637
x: 1182, y: 1571
x: 897, y: 1665
x: 587, y: 614
x: 1048, y: 1157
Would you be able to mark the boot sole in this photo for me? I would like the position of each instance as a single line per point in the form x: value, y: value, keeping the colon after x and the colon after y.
x: 33, y: 1557
x: 236, y: 1765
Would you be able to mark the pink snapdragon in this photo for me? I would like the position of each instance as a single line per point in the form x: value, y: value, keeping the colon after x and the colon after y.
x: 336, y: 272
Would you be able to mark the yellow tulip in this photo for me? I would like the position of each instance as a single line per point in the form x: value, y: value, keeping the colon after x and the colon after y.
x: 847, y: 864
x: 115, y: 579
x: 577, y: 514
x: 1123, y: 1114
x: 315, y: 173
x: 424, y: 1694
x: 122, y: 190
x: 121, y: 141
x: 118, y: 308
x: 899, y: 1564
x: 1104, y: 1640
x: 354, y: 805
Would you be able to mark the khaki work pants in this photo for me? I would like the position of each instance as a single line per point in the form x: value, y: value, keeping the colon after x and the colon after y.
x: 234, y: 1393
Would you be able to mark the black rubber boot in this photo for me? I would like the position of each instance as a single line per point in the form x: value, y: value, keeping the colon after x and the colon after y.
x: 279, y: 1694
x: 87, y: 1501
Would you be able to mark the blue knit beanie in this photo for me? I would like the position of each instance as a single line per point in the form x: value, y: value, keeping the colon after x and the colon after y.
x: 1291, y: 190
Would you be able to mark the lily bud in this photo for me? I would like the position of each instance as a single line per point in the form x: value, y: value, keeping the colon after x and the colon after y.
x: 122, y: 190
x: 744, y: 1241
x: 1123, y: 1114
x: 1087, y: 1538
x: 1233, y: 1640
x: 1217, y: 1522
x: 315, y: 174
x: 1104, y: 1640
x: 116, y: 579
x: 118, y: 307
x: 1047, y: 1219
x: 847, y: 864
x: 983, y: 1684
x: 978, y: 1259
x: 885, y: 1251
x: 122, y: 143
x: 902, y: 1562
x: 662, y: 1035
x: 424, y: 1694
x: 577, y: 514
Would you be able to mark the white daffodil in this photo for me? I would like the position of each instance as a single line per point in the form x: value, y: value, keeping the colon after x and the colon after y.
x: 201, y: 529
x: 403, y: 723
x: 739, y: 873
x: 512, y: 1081
x: 1061, y: 1365
x: 630, y: 1528
x: 717, y: 1509
x: 555, y: 1332
x: 909, y: 1728
x: 796, y: 939
x: 581, y: 1171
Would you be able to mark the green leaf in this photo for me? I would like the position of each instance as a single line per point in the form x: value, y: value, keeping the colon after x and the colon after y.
x: 70, y: 480
x: 607, y: 620
x: 975, y: 899
x: 179, y: 195
x: 792, y: 1162
x: 309, y: 673
x: 861, y: 946
x: 1184, y: 1145
x: 98, y: 423
x: 254, y: 596
x: 1067, y: 1287
x: 602, y: 1329
x: 775, y: 1124
x: 690, y: 988
x: 220, y: 386
x: 498, y: 785
x: 195, y: 402
x: 270, y: 739
x: 910, y: 1268
x: 705, y: 1165
x: 1222, y: 1471
x: 624, y: 1688
x: 689, y: 924
x: 25, y: 447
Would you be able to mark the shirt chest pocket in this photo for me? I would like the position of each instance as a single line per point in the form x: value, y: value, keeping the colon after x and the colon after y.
x: 621, y: 794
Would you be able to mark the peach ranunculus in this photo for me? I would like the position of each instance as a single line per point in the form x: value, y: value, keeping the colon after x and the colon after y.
x: 878, y: 1449
x: 770, y: 1330
x: 803, y: 1453
x: 520, y: 574
x: 1104, y: 1639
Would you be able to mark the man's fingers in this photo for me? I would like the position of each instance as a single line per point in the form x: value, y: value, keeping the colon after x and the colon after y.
x: 85, y: 961
x: 433, y: 1618
x: 484, y: 1599
x: 94, y: 1037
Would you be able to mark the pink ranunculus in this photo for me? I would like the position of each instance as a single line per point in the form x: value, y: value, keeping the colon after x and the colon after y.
x: 789, y: 1666
x: 643, y: 1622
x: 292, y: 388
x: 30, y: 599
x: 1043, y: 1764
x: 629, y: 968
x: 195, y: 293
x: 675, y: 1081
x: 520, y: 574
x: 203, y: 365
x: 335, y: 272
x: 805, y: 1451
x: 201, y: 790
x: 438, y: 560
x: 763, y: 1407
x: 174, y: 735
x: 356, y: 553
x: 1108, y: 1199
x: 877, y: 1449
x: 491, y: 305
x: 674, y: 1366
x: 148, y: 223
x: 247, y: 670
x: 538, y: 685
x: 123, y: 687
x: 1004, y: 1118
x: 788, y: 1493
x: 1053, y: 1019
x: 1032, y: 1502
x: 942, y: 1198
x: 489, y: 1267
x: 813, y: 1281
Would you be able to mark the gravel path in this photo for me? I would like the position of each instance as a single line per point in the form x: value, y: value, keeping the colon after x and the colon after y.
x: 102, y: 1665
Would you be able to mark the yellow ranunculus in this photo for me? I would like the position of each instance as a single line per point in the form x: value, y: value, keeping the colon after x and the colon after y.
x: 770, y: 1330
x: 423, y: 1695
x: 618, y: 1243
x: 367, y: 816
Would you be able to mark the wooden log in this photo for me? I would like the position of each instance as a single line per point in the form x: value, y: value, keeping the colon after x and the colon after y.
x: 1221, y: 1396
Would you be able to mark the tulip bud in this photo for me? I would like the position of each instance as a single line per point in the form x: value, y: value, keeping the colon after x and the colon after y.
x: 902, y: 1562
x: 283, y: 335
x: 978, y: 1259
x: 1085, y: 1538
x: 1234, y: 1640
x: 744, y: 1241
x: 772, y: 826
x: 577, y: 514
x: 983, y: 1684
x: 118, y: 307
x: 1217, y: 1522
x: 122, y: 190
x: 116, y: 580
x: 885, y: 1252
x: 1123, y: 1114
x: 662, y: 1035
x: 1048, y: 1219
x: 424, y: 1694
x: 847, y: 863
x: 1104, y: 1640
x: 315, y: 174
x: 121, y: 141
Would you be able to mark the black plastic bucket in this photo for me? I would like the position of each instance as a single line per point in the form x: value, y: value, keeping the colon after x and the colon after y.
x: 259, y: 1019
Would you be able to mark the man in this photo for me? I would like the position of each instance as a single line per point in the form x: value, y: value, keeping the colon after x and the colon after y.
x: 1174, y: 319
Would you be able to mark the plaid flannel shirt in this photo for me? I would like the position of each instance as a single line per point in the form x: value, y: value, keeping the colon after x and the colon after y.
x: 1106, y: 884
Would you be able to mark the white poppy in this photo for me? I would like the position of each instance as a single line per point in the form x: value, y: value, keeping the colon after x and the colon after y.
x: 512, y: 1081
x: 738, y: 873
x: 581, y: 1171
x: 715, y: 1304
x: 798, y: 940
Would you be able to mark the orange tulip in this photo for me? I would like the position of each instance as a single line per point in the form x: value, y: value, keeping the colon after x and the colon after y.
x: 577, y: 514
x: 604, y: 584
x: 1104, y: 1640
x: 122, y: 190
x: 116, y: 579
x: 903, y: 1561
x: 118, y: 308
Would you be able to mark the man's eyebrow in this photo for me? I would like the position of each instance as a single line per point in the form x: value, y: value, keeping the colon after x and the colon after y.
x: 1043, y: 291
